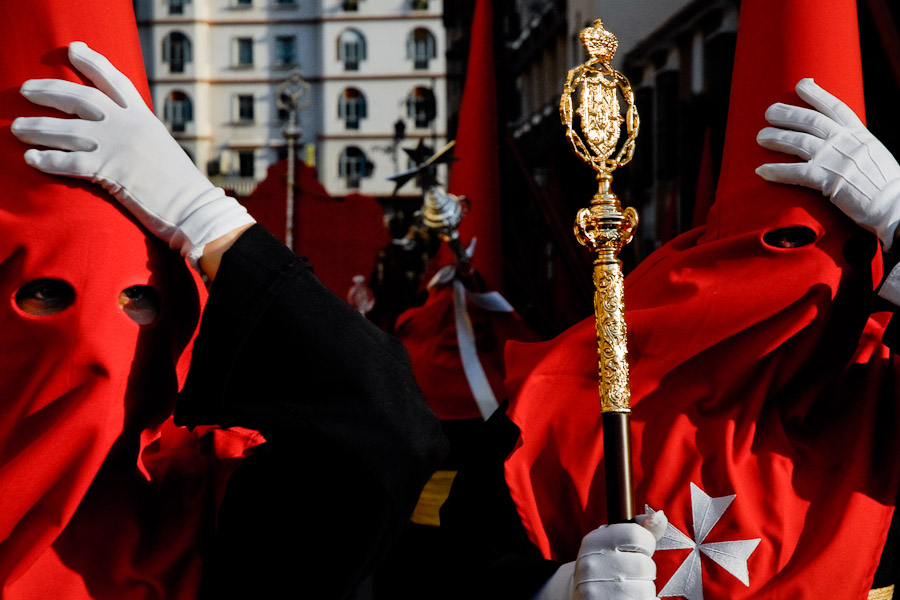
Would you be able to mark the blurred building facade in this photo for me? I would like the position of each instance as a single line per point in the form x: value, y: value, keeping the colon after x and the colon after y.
x: 388, y: 74
x: 376, y: 68
x: 678, y: 55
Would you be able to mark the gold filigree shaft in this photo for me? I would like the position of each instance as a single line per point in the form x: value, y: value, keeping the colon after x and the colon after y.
x: 604, y: 226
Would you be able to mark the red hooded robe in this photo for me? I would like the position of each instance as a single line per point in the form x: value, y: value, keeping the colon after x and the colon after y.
x: 763, y: 401
x: 96, y: 503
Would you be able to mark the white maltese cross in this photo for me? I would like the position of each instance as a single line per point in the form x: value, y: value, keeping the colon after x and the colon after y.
x: 731, y: 556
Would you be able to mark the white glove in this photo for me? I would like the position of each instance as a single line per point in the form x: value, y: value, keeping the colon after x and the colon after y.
x: 844, y: 160
x: 614, y: 563
x: 120, y: 144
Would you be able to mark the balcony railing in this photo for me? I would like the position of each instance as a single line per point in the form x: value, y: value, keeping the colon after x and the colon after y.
x: 242, y: 186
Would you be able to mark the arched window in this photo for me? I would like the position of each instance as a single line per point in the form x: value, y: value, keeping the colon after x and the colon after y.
x: 353, y: 165
x: 421, y: 107
x: 351, y: 49
x: 176, y: 51
x: 420, y: 47
x: 178, y: 111
x: 351, y: 107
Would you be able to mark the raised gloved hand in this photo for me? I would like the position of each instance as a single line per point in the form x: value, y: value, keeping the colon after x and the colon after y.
x: 843, y: 160
x: 118, y: 142
x: 614, y: 563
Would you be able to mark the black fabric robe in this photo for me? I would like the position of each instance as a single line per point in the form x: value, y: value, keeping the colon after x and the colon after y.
x: 350, y: 442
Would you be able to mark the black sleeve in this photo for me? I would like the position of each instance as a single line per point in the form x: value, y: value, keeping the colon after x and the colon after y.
x: 491, y: 555
x: 350, y: 442
x: 888, y: 572
x: 891, y: 337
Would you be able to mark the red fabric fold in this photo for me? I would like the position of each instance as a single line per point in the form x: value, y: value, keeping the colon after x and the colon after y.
x: 429, y: 334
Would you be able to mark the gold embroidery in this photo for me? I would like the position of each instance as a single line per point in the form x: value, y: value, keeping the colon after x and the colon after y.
x: 885, y: 593
x: 427, y: 511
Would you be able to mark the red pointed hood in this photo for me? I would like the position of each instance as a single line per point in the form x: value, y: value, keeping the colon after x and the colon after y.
x: 476, y: 173
x: 80, y: 382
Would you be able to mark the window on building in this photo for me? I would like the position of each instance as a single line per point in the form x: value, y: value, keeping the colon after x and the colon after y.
x: 178, y: 111
x: 419, y: 4
x: 285, y: 50
x: 351, y: 49
x: 176, y: 51
x: 351, y: 107
x: 350, y: 5
x: 353, y: 165
x: 421, y: 107
x: 420, y: 47
x: 242, y: 3
x: 285, y: 2
x: 247, y: 163
x: 244, y: 108
x: 176, y: 7
x: 243, y: 52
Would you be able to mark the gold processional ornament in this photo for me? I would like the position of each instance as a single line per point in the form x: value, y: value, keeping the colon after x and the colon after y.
x: 604, y: 226
x: 442, y: 212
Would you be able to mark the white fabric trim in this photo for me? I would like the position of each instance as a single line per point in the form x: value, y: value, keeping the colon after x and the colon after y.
x: 465, y: 333
x: 468, y: 353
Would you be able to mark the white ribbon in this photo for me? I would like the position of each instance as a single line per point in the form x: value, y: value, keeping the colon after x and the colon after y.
x: 465, y: 333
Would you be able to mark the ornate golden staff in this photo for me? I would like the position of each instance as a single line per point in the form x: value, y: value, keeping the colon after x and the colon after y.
x: 605, y: 228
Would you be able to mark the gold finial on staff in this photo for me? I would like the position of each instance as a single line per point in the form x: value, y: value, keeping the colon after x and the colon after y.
x: 442, y: 212
x: 606, y: 228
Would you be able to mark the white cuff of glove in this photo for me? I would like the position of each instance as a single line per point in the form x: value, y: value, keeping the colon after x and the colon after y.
x: 216, y: 215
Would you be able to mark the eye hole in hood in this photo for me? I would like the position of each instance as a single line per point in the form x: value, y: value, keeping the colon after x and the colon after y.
x: 141, y: 303
x: 790, y: 237
x: 45, y: 297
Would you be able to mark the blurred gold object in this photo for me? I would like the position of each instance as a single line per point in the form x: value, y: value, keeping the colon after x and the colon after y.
x: 885, y: 593
x: 442, y: 212
x: 606, y: 228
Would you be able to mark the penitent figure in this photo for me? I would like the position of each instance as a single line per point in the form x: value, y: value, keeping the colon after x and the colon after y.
x: 763, y: 399
x: 303, y: 441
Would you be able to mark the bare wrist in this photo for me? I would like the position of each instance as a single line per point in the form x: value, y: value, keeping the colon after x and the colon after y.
x: 213, y: 251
